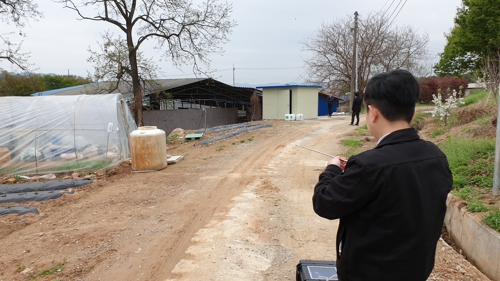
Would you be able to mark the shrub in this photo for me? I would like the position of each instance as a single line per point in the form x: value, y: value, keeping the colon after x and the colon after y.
x: 428, y: 87
x: 452, y: 83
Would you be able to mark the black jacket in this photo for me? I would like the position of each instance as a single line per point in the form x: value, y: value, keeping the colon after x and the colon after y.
x: 356, y: 104
x: 330, y: 100
x: 391, y: 202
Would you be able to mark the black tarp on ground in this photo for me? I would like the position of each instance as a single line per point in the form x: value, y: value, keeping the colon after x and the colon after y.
x: 36, y: 191
x: 20, y: 210
x: 43, y: 186
x: 32, y: 196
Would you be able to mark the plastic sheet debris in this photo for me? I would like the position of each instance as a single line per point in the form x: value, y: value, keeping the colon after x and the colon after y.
x: 174, y: 159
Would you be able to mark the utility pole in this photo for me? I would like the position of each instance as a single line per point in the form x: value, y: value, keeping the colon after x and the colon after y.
x: 233, y: 74
x: 354, y: 72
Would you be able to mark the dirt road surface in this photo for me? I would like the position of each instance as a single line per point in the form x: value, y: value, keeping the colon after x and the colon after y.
x: 238, y: 209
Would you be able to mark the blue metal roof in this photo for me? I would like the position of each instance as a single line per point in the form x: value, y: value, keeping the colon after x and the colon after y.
x: 290, y: 86
x: 51, y: 92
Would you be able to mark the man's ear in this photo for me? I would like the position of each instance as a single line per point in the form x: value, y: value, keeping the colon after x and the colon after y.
x: 372, y: 112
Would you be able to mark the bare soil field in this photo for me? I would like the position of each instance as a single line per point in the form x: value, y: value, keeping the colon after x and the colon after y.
x: 238, y: 209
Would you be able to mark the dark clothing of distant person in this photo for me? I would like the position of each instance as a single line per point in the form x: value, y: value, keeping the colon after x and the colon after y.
x: 391, y: 201
x: 331, y: 102
x: 356, y: 109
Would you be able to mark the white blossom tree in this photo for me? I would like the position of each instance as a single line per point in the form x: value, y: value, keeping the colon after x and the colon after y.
x: 443, y: 109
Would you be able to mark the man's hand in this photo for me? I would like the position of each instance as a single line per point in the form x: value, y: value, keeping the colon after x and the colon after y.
x: 339, y: 161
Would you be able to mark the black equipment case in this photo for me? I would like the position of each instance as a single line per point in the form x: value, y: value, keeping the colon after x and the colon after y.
x: 310, y: 270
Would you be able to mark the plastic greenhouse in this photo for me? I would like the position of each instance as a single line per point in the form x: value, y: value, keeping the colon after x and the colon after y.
x: 51, y: 134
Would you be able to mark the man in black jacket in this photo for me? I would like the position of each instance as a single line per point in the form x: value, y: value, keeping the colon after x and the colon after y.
x: 356, y: 108
x: 331, y: 101
x: 391, y: 200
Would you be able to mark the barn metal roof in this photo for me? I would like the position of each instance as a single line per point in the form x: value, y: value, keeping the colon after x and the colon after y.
x: 183, y: 89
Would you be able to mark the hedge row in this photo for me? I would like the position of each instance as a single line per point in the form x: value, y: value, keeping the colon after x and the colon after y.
x: 430, y: 86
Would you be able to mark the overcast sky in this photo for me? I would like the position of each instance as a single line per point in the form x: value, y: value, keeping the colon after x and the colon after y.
x: 265, y: 47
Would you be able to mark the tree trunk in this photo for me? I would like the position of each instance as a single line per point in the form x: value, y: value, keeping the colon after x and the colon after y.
x: 137, y: 109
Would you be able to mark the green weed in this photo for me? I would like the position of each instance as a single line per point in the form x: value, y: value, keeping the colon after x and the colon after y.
x: 21, y: 268
x: 483, y: 121
x: 460, y: 152
x: 482, y: 181
x: 493, y: 220
x: 467, y: 130
x: 172, y: 137
x: 362, y: 131
x: 56, y: 268
x: 474, y: 97
x: 220, y: 147
x: 437, y: 132
x: 476, y: 207
x: 85, y: 165
x: 464, y: 193
x: 351, y: 143
x: 459, y: 181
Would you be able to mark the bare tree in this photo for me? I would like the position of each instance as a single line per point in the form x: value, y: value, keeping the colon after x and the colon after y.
x: 112, y: 65
x: 380, y: 48
x: 16, y: 12
x: 183, y: 33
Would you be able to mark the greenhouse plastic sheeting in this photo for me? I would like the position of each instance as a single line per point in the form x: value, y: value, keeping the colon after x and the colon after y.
x: 51, y: 134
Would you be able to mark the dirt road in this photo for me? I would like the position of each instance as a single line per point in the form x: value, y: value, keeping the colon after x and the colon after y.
x: 239, y: 209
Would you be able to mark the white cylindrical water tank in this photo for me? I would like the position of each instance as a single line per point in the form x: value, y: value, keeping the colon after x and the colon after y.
x: 148, y: 148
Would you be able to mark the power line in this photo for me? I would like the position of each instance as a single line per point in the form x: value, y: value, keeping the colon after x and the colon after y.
x: 388, y: 8
x: 398, y: 12
x: 383, y: 7
x: 394, y: 10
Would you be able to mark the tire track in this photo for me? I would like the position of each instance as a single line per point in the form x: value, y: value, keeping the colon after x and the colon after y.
x: 248, y: 168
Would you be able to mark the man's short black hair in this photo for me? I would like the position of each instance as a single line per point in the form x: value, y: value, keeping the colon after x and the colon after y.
x: 394, y: 94
x: 356, y: 94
